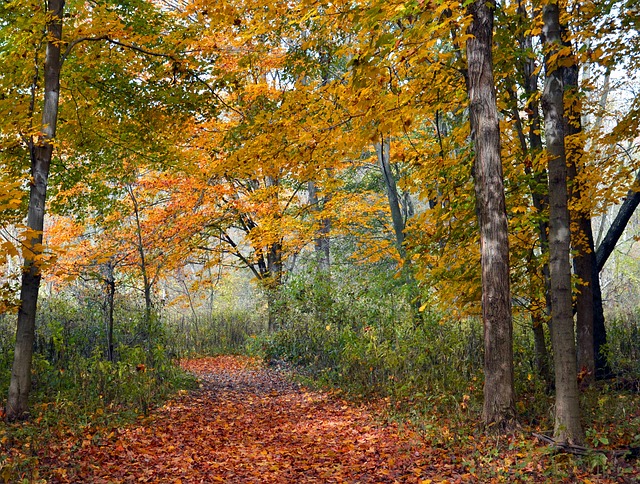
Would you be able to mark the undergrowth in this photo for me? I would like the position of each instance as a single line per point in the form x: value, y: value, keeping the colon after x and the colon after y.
x: 76, y: 390
x: 361, y: 335
x: 358, y: 333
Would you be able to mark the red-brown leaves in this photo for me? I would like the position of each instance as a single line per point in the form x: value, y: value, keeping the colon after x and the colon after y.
x: 248, y: 424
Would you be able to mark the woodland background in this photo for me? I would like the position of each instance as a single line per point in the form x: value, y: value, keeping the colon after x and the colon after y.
x: 297, y: 180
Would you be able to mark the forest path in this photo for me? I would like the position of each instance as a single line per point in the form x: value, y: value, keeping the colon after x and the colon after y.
x: 249, y: 424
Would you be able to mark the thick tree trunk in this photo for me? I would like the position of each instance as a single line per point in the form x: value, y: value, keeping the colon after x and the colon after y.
x: 499, y: 406
x: 41, y: 153
x: 567, y: 420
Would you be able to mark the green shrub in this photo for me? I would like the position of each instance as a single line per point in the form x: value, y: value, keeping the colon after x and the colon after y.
x: 623, y: 342
x: 361, y: 331
x: 69, y: 363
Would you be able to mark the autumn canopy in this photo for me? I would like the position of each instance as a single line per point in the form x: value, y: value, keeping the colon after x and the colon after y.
x: 376, y: 191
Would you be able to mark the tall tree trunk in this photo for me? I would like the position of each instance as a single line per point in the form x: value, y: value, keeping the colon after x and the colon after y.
x: 582, y: 238
x: 41, y: 152
x: 499, y: 406
x: 322, y: 240
x: 274, y: 264
x: 567, y: 420
x: 146, y: 280
x: 538, y: 186
x: 383, y: 151
x: 110, y: 285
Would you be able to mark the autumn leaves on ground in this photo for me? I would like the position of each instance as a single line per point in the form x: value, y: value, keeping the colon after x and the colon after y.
x: 246, y: 422
x: 249, y: 424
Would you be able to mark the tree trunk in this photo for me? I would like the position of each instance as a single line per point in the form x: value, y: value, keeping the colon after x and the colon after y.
x: 274, y: 267
x: 41, y: 152
x: 272, y: 282
x: 628, y: 207
x: 582, y: 238
x: 567, y: 419
x: 272, y: 324
x: 383, y: 151
x: 400, y: 212
x: 110, y: 284
x: 540, y: 348
x: 583, y: 264
x: 603, y: 370
x: 322, y: 240
x: 147, y: 283
x: 499, y: 406
x: 539, y: 190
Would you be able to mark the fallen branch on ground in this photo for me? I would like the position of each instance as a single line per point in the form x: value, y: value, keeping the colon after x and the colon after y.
x: 632, y: 452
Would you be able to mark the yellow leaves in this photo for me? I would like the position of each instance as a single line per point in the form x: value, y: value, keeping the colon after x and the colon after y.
x: 563, y: 57
x: 10, y: 204
x: 8, y: 249
x: 521, y: 209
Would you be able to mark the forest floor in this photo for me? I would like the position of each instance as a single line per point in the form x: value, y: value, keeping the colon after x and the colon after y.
x: 250, y: 424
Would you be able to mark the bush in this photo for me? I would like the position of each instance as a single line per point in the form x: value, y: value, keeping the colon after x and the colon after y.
x: 70, y: 368
x: 623, y: 342
x: 362, y: 332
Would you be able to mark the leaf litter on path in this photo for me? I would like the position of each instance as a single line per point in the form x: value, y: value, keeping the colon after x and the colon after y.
x: 249, y: 424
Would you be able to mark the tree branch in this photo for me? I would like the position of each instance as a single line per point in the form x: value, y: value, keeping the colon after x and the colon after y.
x: 617, y: 227
x: 108, y: 39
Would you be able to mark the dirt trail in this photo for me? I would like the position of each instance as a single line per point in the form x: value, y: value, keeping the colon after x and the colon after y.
x: 248, y: 424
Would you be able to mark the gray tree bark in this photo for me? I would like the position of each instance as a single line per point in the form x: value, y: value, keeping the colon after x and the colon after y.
x: 499, y: 406
x: 383, y: 152
x: 41, y: 150
x: 567, y: 419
